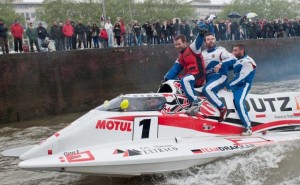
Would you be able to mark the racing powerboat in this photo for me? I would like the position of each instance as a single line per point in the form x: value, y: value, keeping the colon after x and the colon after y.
x: 149, y: 133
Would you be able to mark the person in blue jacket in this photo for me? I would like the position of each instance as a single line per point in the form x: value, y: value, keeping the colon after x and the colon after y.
x: 244, y: 70
x: 217, y: 61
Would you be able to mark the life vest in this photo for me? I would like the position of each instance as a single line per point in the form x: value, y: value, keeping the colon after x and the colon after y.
x: 193, y: 64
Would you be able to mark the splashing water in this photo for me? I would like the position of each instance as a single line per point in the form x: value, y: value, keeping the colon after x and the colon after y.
x: 251, y: 168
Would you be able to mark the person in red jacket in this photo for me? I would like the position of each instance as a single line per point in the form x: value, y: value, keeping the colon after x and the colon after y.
x: 68, y: 32
x: 104, y: 38
x: 191, y: 61
x: 17, y: 33
x: 123, y: 31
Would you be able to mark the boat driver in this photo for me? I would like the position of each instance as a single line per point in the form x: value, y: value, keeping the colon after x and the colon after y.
x: 191, y: 61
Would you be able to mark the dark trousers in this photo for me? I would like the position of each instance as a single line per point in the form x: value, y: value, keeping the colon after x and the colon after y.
x: 81, y: 39
x: 36, y: 45
x: 74, y: 42
x: 18, y: 44
x: 89, y: 41
x: 58, y: 44
x: 118, y: 40
x: 4, y: 45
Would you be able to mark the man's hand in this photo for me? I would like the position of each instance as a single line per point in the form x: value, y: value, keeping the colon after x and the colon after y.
x: 202, y: 28
x: 217, y: 68
x: 202, y: 32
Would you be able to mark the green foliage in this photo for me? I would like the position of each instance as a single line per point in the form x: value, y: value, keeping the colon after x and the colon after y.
x: 270, y: 9
x: 8, y: 14
x: 60, y: 10
x: 161, y: 10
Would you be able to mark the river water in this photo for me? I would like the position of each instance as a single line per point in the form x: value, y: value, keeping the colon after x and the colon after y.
x: 274, y: 165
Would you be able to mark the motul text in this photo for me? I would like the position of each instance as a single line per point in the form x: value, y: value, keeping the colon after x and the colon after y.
x: 114, y: 125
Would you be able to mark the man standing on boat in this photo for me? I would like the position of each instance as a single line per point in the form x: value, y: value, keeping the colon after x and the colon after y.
x: 215, y: 58
x: 244, y: 70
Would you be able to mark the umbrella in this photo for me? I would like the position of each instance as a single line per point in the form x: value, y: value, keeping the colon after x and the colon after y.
x: 234, y: 15
x: 211, y: 17
x: 251, y: 15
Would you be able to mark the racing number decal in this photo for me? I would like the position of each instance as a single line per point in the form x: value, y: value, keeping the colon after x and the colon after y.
x: 145, y: 128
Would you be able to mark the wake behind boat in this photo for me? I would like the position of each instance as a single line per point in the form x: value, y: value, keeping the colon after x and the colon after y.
x: 138, y: 134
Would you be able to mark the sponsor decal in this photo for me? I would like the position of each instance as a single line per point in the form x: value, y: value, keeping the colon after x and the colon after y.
x: 118, y: 125
x: 71, y: 152
x: 77, y: 157
x: 133, y: 152
x: 158, y: 149
x: 287, y: 116
x: 223, y: 148
x: 263, y: 103
x: 260, y: 116
x: 118, y: 151
x: 260, y: 105
x: 257, y: 141
x: 146, y: 150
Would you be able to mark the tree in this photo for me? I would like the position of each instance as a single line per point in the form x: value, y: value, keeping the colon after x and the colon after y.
x: 270, y: 9
x: 127, y: 9
x: 8, y: 14
x: 60, y: 10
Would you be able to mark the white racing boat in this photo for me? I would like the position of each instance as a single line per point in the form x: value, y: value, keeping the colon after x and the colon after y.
x: 137, y: 134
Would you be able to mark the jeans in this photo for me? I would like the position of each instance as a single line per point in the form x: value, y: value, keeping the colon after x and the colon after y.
x: 129, y: 39
x: 40, y: 41
x: 96, y: 42
x: 110, y: 38
x: 138, y: 39
x: 68, y: 43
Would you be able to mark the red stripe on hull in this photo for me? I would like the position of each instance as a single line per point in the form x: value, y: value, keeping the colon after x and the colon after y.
x: 197, y: 124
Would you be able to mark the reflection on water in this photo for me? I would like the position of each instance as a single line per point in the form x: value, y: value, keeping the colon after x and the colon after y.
x: 279, y: 165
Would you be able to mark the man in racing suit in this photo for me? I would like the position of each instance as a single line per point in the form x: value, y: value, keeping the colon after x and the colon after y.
x: 191, y: 61
x: 216, y: 60
x: 244, y: 70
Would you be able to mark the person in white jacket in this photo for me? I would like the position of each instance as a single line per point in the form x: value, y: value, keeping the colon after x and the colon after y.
x: 109, y: 29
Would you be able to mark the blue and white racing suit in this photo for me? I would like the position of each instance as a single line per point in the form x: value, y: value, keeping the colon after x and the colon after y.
x: 244, y: 70
x: 191, y: 61
x: 215, y: 81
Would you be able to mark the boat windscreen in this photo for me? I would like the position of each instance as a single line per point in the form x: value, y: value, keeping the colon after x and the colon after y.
x: 135, y: 104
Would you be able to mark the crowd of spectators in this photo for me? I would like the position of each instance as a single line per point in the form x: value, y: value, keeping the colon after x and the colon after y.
x: 256, y: 29
x: 71, y: 35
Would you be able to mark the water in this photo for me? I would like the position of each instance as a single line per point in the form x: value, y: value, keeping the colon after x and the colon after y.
x: 275, y: 165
